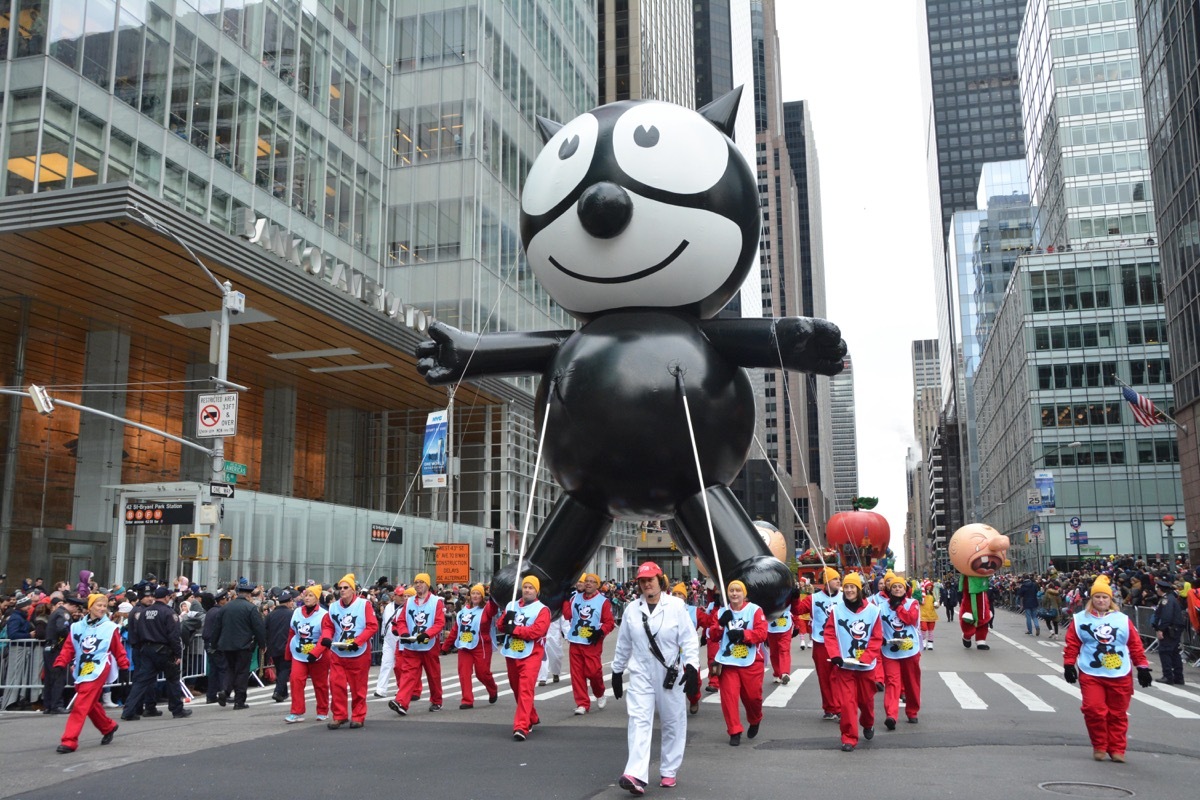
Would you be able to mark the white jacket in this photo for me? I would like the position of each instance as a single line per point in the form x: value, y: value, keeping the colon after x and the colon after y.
x: 673, y: 631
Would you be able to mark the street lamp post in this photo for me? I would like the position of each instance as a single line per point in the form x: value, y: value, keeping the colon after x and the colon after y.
x: 1168, y: 521
x: 1047, y: 454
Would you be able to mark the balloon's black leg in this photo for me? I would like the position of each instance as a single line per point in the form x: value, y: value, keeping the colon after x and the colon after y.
x: 565, y: 544
x: 743, y: 553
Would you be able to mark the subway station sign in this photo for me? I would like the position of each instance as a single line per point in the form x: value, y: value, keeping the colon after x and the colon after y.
x: 160, y: 513
x: 332, y: 273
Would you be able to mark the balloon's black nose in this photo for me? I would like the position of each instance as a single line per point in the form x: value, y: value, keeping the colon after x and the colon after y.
x: 605, y: 209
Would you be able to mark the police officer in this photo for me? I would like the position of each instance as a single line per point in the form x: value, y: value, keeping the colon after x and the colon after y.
x: 159, y: 647
x: 1168, y: 622
x: 142, y: 595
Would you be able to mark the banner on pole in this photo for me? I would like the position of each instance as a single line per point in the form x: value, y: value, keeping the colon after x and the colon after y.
x: 433, y: 458
x: 1044, y: 481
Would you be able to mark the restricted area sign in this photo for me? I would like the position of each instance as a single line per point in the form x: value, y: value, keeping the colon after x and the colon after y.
x: 216, y: 415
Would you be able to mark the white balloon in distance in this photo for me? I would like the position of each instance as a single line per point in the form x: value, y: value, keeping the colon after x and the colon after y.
x: 772, y: 538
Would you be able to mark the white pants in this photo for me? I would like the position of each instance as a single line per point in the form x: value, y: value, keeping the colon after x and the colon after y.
x: 552, y: 658
x: 645, y: 694
x: 388, y: 664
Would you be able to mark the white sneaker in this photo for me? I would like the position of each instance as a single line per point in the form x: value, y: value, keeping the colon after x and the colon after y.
x: 929, y: 645
x: 580, y: 711
x: 776, y: 680
x: 602, y: 702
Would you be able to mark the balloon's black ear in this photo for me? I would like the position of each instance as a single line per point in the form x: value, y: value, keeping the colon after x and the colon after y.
x: 722, y: 112
x: 547, y: 128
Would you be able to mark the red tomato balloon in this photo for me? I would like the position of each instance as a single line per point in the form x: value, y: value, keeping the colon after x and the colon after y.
x: 866, y: 530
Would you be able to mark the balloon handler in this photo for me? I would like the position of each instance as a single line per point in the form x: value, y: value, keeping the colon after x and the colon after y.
x: 853, y: 639
x: 641, y: 219
x: 1102, y: 648
x: 94, y: 652
x: 977, y: 551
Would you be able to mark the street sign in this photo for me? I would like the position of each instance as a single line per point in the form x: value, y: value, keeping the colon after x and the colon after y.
x: 1035, y: 536
x: 159, y: 513
x: 216, y: 415
x: 231, y: 477
x: 386, y: 534
x: 220, y: 489
x: 1079, y: 537
x: 1076, y: 522
x: 235, y: 468
x: 1035, y: 528
x: 1034, y: 496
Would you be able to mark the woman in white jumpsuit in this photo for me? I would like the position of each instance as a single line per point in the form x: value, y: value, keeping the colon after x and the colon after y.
x: 675, y: 635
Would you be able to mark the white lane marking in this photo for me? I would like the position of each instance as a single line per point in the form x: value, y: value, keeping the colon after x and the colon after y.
x: 1027, y: 651
x: 1177, y: 692
x: 783, y: 695
x: 1140, y: 696
x: 1028, y: 698
x: 1051, y: 645
x: 966, y: 697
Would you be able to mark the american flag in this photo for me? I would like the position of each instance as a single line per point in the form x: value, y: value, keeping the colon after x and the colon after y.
x: 1143, y: 409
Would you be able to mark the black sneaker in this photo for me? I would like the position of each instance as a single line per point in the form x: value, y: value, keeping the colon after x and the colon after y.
x: 890, y: 724
x: 752, y: 731
x: 847, y: 748
x: 62, y: 748
x: 465, y: 706
x: 399, y: 709
x: 520, y: 736
x: 735, y: 739
x: 492, y: 698
x: 435, y: 706
x: 711, y: 689
x: 182, y: 713
x: 240, y: 706
x: 827, y: 716
x: 279, y: 698
x: 912, y: 720
x: 868, y: 733
x: 354, y: 724
x: 334, y: 724
x: 983, y: 646
x: 966, y: 643
x: 154, y: 712
x: 222, y: 698
x: 108, y: 737
x: 133, y: 718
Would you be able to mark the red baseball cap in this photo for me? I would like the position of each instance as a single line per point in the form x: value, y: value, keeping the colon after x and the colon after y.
x: 649, y: 570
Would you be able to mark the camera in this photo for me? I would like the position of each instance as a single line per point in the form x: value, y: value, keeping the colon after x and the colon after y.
x: 671, y: 677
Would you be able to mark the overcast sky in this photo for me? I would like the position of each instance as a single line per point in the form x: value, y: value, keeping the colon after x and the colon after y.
x: 857, y: 65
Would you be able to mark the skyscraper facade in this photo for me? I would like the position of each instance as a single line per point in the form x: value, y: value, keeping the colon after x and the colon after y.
x: 1167, y: 30
x: 927, y: 401
x: 713, y: 40
x: 647, y: 51
x: 845, y: 440
x: 354, y: 169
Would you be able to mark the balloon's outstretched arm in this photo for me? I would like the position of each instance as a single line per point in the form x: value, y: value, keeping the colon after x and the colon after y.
x: 450, y: 354
x: 803, y: 344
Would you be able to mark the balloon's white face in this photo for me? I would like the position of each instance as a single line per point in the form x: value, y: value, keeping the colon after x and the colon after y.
x: 639, y: 204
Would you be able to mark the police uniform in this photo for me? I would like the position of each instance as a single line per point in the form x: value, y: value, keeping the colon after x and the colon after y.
x: 159, y: 647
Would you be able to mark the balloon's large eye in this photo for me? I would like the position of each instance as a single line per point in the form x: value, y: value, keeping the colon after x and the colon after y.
x: 561, y: 165
x: 670, y: 147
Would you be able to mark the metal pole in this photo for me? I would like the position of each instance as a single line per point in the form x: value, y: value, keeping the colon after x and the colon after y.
x: 450, y: 469
x: 218, y: 451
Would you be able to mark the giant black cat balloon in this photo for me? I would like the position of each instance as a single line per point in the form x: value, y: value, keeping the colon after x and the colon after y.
x: 641, y: 219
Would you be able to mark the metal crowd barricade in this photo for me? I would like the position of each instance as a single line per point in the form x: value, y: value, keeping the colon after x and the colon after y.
x: 1189, y: 643
x: 20, y: 672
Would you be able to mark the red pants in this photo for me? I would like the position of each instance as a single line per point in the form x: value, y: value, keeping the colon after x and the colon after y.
x: 1105, y: 710
x: 745, y: 684
x: 803, y: 625
x: 977, y: 629
x: 780, y: 645
x: 898, y: 674
x: 349, y: 675
x: 824, y: 671
x: 319, y: 672
x: 854, y: 690
x: 522, y: 677
x: 713, y: 646
x: 478, y: 660
x: 586, y: 669
x: 87, y: 706
x: 409, y: 664
x: 927, y: 630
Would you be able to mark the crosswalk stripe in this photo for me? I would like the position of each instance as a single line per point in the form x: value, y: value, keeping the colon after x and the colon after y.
x: 1177, y: 692
x: 966, y: 697
x: 1141, y: 696
x: 1031, y: 700
x: 783, y: 695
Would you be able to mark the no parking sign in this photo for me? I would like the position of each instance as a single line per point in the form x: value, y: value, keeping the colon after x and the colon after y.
x: 216, y: 415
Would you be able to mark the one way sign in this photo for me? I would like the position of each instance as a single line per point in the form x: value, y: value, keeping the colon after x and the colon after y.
x: 221, y: 489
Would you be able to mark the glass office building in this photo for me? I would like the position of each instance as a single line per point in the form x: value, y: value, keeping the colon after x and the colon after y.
x: 1170, y: 72
x: 353, y: 167
x: 1049, y: 399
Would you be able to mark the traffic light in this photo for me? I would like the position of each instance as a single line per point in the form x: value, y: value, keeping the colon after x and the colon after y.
x: 226, y: 548
x: 191, y: 547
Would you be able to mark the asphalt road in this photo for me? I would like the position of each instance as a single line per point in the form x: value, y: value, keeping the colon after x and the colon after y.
x: 998, y: 724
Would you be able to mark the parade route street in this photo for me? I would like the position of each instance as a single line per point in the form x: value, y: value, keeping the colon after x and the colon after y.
x: 996, y: 724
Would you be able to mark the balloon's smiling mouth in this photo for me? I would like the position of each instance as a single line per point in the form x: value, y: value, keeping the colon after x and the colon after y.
x: 666, y: 262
